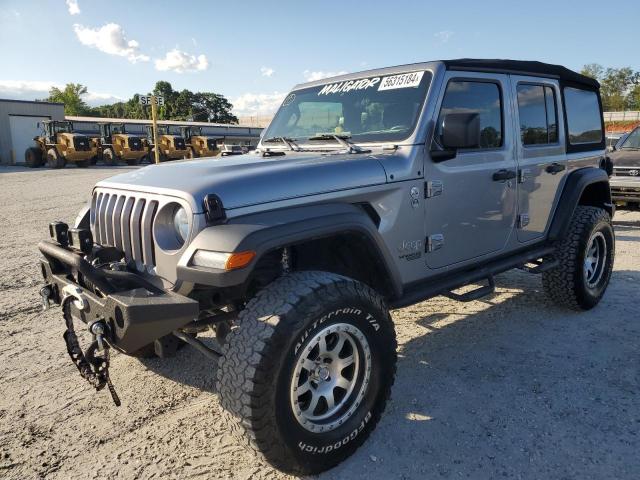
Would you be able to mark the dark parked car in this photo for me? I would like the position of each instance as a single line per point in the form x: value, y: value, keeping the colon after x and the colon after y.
x: 625, y: 182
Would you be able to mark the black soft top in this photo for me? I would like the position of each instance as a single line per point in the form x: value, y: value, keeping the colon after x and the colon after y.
x: 537, y: 69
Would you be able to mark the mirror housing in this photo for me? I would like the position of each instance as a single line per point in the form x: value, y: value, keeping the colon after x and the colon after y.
x: 460, y: 130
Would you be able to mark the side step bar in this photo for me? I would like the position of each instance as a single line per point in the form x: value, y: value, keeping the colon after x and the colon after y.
x: 445, y: 283
x: 474, y: 294
x: 538, y: 266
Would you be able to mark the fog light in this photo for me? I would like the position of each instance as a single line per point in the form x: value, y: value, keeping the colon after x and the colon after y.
x: 59, y: 232
x: 80, y: 239
x: 221, y: 260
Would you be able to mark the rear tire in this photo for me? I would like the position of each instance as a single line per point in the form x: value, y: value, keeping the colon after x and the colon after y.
x: 54, y: 160
x: 307, y: 370
x: 109, y: 157
x: 133, y: 161
x: 586, y: 258
x: 33, y: 157
x: 83, y: 163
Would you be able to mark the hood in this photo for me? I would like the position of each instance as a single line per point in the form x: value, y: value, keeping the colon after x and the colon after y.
x: 245, y: 180
x: 625, y: 158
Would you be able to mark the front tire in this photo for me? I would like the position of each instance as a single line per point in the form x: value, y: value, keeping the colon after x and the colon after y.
x: 33, y: 157
x: 307, y: 370
x: 54, y: 160
x: 586, y: 258
x: 109, y: 157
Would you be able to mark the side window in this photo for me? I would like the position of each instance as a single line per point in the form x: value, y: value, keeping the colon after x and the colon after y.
x: 538, y: 114
x: 483, y: 98
x: 583, y: 116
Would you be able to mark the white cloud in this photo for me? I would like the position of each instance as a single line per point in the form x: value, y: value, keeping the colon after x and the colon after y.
x: 266, y: 71
x: 444, y: 36
x: 73, y: 7
x: 310, y: 76
x: 111, y: 39
x: 257, y: 103
x: 180, y: 62
x: 32, y: 90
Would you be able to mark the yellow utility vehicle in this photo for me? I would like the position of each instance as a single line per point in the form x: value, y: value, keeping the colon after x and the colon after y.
x: 58, y: 145
x: 170, y: 147
x: 118, y: 145
x: 199, y: 144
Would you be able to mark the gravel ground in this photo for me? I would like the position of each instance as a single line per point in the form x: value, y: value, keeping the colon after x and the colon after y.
x: 510, y: 386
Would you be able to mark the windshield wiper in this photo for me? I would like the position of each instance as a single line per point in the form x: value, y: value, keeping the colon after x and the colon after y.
x: 342, y: 140
x: 289, y: 142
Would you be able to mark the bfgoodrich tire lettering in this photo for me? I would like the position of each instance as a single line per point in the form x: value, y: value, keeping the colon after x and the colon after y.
x: 586, y: 258
x: 256, y: 372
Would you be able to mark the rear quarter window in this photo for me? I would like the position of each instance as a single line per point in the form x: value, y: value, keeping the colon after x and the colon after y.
x: 584, y: 120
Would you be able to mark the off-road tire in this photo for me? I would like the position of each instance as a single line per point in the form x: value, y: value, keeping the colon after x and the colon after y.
x: 109, y: 157
x: 54, y: 160
x: 83, y: 163
x: 33, y: 157
x: 567, y: 283
x: 256, y: 372
x: 133, y: 162
x: 192, y: 153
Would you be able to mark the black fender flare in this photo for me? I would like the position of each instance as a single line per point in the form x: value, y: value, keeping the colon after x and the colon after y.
x: 266, y: 231
x: 574, y: 188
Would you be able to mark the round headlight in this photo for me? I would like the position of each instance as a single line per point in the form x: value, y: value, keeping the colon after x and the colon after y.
x: 181, y: 223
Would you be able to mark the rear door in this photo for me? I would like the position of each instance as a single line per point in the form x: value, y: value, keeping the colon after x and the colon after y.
x: 540, y: 148
x: 468, y: 213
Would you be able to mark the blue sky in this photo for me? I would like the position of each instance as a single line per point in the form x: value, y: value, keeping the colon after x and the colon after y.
x: 253, y: 52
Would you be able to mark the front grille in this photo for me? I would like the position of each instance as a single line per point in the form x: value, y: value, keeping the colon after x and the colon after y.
x: 179, y: 143
x: 626, y: 171
x: 125, y: 221
x: 81, y: 143
x: 135, y: 143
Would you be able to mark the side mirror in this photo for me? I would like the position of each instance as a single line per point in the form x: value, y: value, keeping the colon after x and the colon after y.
x: 461, y: 130
x: 458, y: 130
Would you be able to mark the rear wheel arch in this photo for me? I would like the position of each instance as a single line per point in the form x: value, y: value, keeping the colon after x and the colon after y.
x: 586, y: 187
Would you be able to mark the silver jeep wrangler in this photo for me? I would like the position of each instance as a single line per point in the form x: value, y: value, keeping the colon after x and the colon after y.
x: 368, y: 192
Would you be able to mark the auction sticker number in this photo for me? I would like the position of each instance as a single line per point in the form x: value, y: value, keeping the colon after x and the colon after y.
x: 404, y: 80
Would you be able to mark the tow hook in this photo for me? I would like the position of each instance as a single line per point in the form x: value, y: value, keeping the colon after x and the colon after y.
x: 45, y: 293
x: 79, y: 300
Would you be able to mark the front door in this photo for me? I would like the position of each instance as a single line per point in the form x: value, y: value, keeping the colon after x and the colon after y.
x: 471, y: 206
x: 541, y: 153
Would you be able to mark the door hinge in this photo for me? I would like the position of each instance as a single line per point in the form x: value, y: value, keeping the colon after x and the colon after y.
x: 523, y: 174
x: 434, y: 242
x: 523, y: 220
x: 433, y: 188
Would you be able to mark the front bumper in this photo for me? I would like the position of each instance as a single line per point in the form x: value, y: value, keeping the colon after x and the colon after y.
x: 625, y: 189
x: 135, y: 311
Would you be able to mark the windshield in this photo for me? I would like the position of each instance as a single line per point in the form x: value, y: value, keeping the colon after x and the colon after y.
x: 371, y: 109
x: 62, y: 127
x: 633, y: 140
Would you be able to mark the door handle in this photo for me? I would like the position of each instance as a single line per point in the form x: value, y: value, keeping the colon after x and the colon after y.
x: 554, y: 168
x: 503, y: 175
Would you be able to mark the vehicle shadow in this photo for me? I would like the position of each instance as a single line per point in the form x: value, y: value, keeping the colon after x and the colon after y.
x: 512, y: 386
x: 188, y: 367
x: 8, y: 169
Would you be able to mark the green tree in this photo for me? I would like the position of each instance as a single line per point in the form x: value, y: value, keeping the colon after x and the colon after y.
x: 593, y: 70
x: 71, y: 96
x: 183, y: 105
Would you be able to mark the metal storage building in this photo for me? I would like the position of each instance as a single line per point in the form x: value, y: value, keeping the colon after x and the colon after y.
x: 18, y: 126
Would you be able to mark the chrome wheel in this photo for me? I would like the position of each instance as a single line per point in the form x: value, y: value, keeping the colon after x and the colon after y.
x: 331, y: 377
x: 595, y: 259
